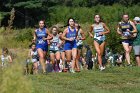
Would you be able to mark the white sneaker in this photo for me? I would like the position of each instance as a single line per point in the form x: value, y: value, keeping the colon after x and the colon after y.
x: 101, y: 68
x: 72, y: 71
x: 60, y: 71
x: 104, y: 68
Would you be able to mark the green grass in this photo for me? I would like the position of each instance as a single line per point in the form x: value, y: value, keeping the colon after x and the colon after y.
x: 112, y: 80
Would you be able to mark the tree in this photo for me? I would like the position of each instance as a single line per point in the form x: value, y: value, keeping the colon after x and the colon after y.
x: 29, y: 6
x: 26, y: 9
x: 2, y: 15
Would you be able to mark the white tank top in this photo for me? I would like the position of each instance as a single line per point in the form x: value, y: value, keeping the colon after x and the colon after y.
x: 4, y: 58
x: 34, y: 55
x: 97, y: 29
x: 79, y: 42
x: 54, y: 44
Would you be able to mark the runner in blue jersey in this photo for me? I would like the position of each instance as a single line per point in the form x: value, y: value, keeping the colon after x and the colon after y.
x: 126, y: 29
x: 41, y: 35
x: 80, y: 38
x: 55, y: 48
x: 100, y: 30
x: 69, y: 35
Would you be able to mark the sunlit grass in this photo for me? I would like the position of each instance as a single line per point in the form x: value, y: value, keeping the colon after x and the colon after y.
x: 112, y: 80
x: 12, y: 79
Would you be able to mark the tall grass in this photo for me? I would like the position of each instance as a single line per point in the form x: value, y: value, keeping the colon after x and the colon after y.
x: 18, y: 38
x: 12, y: 79
x: 112, y: 80
x: 117, y: 80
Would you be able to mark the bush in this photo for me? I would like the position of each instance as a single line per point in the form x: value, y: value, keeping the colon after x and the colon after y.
x: 85, y: 14
x: 12, y: 79
x: 24, y: 35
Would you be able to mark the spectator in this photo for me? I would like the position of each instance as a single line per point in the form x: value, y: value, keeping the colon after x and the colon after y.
x: 89, y: 62
x: 6, y: 59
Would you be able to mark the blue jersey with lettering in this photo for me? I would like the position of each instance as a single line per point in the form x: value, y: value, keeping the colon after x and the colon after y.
x: 40, y: 43
x: 71, y: 34
x: 40, y: 35
x: 69, y: 45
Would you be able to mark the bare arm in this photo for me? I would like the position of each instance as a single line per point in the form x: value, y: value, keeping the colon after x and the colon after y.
x: 61, y: 39
x: 29, y: 54
x: 64, y: 35
x: 119, y: 30
x: 61, y: 42
x: 83, y: 35
x: 34, y: 35
x: 134, y: 27
x: 106, y: 28
x: 10, y: 59
x: 90, y: 32
x: 49, y: 35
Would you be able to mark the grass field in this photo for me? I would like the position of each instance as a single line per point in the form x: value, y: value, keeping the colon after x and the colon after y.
x: 112, y: 80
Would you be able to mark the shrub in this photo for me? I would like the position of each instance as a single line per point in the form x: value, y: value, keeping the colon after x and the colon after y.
x: 24, y: 34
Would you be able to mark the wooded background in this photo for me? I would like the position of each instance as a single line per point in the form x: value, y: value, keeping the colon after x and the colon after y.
x: 23, y: 16
x: 29, y: 12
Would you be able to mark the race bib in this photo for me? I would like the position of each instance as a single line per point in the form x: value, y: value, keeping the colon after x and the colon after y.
x: 126, y: 34
x: 54, y: 46
x: 54, y: 43
x: 34, y: 60
x: 98, y: 34
x: 41, y: 41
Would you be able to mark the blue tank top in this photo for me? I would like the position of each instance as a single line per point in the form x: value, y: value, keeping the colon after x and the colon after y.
x: 40, y: 35
x: 124, y: 26
x: 71, y: 34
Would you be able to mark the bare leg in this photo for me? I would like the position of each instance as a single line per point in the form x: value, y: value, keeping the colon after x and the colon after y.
x: 97, y: 47
x: 35, y: 68
x: 102, y: 48
x: 74, y: 55
x: 41, y: 59
x: 57, y: 56
x: 52, y: 57
x: 77, y: 60
x: 127, y: 49
x: 68, y: 56
x: 63, y: 59
x: 138, y: 60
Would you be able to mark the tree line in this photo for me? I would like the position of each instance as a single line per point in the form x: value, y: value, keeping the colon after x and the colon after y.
x: 29, y: 12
